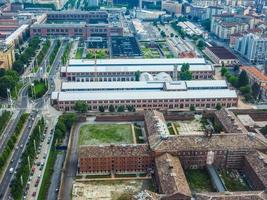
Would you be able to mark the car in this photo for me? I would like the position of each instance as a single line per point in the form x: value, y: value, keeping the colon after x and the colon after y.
x: 11, y: 170
x: 41, y: 168
x: 38, y: 163
x: 21, y: 146
x: 33, y: 194
x: 12, y: 161
x: 17, y: 147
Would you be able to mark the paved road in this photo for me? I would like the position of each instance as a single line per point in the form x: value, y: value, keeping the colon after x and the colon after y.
x: 4, y: 186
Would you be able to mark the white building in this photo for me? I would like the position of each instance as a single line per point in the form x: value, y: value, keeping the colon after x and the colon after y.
x: 253, y: 48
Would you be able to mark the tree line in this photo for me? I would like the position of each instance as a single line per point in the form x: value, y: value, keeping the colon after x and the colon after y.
x: 12, y: 141
x: 23, y: 171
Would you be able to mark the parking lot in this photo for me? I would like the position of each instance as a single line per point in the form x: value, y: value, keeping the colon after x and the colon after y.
x: 38, y: 167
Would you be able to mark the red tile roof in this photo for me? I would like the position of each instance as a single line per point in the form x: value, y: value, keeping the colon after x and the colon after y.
x: 253, y: 71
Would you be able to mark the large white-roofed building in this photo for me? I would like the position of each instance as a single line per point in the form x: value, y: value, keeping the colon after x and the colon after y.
x: 125, y: 69
x: 176, y: 95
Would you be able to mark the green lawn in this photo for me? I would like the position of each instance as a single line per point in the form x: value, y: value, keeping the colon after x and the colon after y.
x: 233, y: 183
x: 79, y: 53
x: 199, y: 180
x: 94, y: 134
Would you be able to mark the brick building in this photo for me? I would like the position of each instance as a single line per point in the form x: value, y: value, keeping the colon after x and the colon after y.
x: 168, y: 155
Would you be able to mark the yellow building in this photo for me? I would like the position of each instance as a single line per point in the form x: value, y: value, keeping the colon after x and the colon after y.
x: 7, y: 56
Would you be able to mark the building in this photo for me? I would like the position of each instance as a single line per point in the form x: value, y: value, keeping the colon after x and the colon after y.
x: 87, y: 16
x: 126, y: 69
x: 76, y: 24
x: 213, y: 10
x: 190, y: 28
x: 253, y: 47
x: 224, y: 25
x: 221, y: 56
x: 166, y: 157
x: 172, y: 7
x: 115, y: 158
x: 256, y: 76
x: 160, y: 95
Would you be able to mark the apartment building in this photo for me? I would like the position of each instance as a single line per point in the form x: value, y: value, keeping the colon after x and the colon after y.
x: 224, y: 25
x: 253, y: 47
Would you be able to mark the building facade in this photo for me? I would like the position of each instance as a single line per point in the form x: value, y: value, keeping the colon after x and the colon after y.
x: 253, y: 47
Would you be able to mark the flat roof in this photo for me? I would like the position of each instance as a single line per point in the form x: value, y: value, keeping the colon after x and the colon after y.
x: 16, y: 33
x: 222, y: 52
x: 134, y: 68
x: 136, y: 61
x: 139, y: 95
x: 62, y: 25
x: 146, y: 85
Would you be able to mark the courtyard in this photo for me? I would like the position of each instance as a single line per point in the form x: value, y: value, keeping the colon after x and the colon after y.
x: 95, y: 134
x: 110, y: 189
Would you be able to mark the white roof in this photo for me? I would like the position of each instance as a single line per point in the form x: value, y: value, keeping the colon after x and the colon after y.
x: 136, y: 61
x: 134, y: 68
x: 174, y: 85
x: 206, y: 83
x: 139, y: 95
x: 16, y: 33
x: 111, y: 85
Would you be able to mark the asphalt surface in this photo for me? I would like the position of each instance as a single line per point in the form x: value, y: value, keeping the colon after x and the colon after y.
x: 4, y: 186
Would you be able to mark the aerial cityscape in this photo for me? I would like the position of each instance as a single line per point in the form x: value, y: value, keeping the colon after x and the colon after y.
x: 133, y: 100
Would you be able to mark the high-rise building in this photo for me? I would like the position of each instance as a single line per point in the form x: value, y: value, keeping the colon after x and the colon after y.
x: 253, y: 47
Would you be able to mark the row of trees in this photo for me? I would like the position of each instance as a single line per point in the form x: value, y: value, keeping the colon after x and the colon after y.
x: 12, y: 141
x: 82, y: 106
x: 4, y: 118
x: 63, y: 125
x: 241, y: 82
x: 66, y: 53
x: 21, y: 178
x: 24, y: 58
x: 8, y: 80
x: 43, y: 52
x: 54, y: 52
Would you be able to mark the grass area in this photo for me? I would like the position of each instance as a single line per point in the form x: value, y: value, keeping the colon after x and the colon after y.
x: 170, y: 128
x: 79, y: 53
x: 38, y: 90
x: 199, y: 180
x: 125, y: 175
x: 99, y: 54
x: 232, y: 182
x: 92, y: 134
x: 15, y: 91
x: 97, y: 176
x: 4, y: 118
x: 138, y: 134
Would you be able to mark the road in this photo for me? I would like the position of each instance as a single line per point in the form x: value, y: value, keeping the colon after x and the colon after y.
x: 4, y: 186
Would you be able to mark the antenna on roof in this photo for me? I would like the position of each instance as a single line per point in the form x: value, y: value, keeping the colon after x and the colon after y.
x: 95, y: 65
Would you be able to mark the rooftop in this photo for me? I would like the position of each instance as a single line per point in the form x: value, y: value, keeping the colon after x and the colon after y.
x: 139, y: 61
x: 171, y: 175
x: 229, y: 141
x: 253, y: 71
x: 258, y: 161
x: 222, y: 53
x: 114, y: 150
x: 136, y: 95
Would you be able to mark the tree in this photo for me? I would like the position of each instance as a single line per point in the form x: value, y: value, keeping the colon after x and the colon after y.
x: 130, y: 108
x: 81, y: 106
x: 192, y: 107
x: 6, y: 82
x: 69, y: 119
x: 255, y: 89
x: 243, y: 79
x: 121, y: 108
x: 101, y: 109
x: 218, y: 106
x: 223, y: 71
x: 172, y: 35
x: 137, y: 75
x: 185, y: 74
x: 264, y: 130
x: 206, y: 24
x: 111, y: 108
x: 245, y: 89
x: 233, y: 80
x: 163, y: 34
x: 200, y: 43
